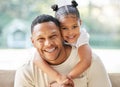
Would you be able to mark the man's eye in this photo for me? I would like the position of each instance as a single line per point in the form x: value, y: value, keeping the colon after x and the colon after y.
x: 40, y: 39
x: 54, y: 36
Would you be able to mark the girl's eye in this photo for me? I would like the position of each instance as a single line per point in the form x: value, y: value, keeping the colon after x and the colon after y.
x: 64, y: 28
x: 75, y: 27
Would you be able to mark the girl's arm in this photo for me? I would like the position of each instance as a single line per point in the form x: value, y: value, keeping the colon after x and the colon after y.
x: 46, y: 68
x: 85, y: 55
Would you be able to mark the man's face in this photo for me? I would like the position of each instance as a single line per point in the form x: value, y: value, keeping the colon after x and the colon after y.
x: 46, y: 38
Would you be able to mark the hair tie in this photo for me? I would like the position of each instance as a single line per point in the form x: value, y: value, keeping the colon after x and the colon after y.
x: 74, y: 3
x: 54, y: 7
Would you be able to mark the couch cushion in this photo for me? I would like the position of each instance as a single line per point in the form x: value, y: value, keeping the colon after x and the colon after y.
x: 115, y: 79
x: 7, y: 78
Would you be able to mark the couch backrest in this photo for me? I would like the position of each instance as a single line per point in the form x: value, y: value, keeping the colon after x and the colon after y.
x: 7, y: 78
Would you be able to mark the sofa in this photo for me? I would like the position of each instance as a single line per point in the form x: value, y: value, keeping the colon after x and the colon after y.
x: 7, y: 78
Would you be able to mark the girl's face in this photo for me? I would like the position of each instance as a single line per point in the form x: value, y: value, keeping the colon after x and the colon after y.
x: 70, y: 28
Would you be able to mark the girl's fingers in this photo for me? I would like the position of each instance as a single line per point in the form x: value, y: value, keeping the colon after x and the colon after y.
x: 68, y: 83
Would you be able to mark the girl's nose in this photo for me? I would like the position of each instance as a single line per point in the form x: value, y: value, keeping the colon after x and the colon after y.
x: 70, y: 32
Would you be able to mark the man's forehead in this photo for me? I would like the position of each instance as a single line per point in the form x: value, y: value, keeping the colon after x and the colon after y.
x: 45, y: 30
x: 49, y: 31
x: 45, y: 25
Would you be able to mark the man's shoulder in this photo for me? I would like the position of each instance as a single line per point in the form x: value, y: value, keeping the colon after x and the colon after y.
x: 28, y: 63
x: 26, y: 67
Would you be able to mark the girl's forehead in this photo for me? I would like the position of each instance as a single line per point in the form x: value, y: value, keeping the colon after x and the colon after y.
x: 71, y: 15
x: 68, y: 16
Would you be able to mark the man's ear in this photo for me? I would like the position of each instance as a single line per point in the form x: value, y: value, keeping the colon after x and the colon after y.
x: 32, y: 40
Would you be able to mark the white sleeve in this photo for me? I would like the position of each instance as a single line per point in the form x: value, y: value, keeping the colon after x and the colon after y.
x: 83, y: 38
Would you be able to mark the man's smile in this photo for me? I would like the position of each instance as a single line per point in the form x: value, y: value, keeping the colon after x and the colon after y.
x: 50, y: 50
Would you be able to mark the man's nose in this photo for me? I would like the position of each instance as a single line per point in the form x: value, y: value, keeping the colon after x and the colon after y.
x: 48, y: 43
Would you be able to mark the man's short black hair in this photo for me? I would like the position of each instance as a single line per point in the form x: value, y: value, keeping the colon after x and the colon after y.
x: 44, y: 18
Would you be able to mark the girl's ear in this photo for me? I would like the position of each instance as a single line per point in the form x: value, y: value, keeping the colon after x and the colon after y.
x: 80, y: 22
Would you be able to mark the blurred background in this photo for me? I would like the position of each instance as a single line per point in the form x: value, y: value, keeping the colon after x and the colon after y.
x: 101, y: 18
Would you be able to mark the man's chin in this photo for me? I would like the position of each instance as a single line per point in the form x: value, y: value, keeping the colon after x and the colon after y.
x: 50, y: 59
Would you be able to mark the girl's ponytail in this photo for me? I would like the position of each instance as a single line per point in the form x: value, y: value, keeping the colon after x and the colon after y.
x: 54, y: 7
x: 74, y: 3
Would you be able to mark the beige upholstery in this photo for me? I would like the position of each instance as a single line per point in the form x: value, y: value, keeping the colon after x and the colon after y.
x: 7, y: 78
x: 115, y: 79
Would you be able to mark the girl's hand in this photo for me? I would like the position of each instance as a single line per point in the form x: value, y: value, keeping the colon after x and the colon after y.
x: 68, y: 82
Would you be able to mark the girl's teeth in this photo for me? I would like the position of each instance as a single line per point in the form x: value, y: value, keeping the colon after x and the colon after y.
x: 70, y: 36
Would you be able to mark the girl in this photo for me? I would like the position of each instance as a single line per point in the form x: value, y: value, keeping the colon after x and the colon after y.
x: 70, y: 23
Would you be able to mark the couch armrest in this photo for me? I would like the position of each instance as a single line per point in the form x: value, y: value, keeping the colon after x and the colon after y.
x: 115, y: 79
x: 7, y: 78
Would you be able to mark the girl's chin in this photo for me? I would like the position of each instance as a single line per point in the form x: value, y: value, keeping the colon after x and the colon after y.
x: 71, y: 42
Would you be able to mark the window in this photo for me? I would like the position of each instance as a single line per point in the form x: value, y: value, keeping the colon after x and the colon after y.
x: 100, y: 18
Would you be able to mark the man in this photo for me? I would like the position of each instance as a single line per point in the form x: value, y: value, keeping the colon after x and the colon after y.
x: 47, y: 40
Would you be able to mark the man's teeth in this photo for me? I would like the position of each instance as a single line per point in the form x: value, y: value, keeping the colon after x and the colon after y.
x: 50, y: 50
